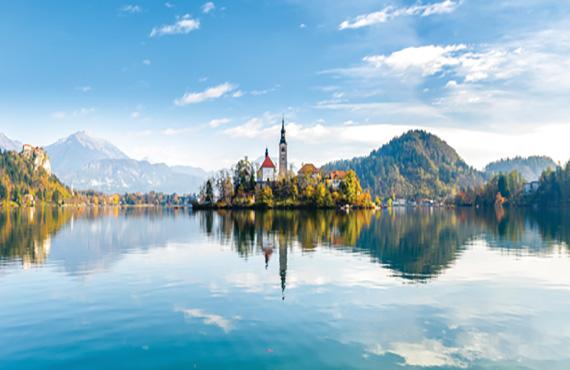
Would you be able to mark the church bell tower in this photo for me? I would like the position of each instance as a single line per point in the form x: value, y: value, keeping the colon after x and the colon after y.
x: 283, y: 152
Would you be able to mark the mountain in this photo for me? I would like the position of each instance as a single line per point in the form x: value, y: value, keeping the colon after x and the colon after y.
x: 530, y: 168
x: 192, y: 171
x: 129, y: 175
x: 88, y: 163
x: 74, y: 151
x: 8, y: 144
x: 416, y: 164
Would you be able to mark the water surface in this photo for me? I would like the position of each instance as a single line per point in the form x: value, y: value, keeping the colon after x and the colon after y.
x: 155, y: 288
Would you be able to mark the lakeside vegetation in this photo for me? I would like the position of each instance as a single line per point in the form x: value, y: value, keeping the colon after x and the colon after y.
x: 551, y: 190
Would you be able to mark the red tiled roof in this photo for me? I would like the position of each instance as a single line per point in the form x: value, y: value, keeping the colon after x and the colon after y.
x: 267, y: 163
x: 337, y: 174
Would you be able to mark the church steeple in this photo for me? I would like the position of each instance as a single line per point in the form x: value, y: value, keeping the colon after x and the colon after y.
x: 283, y: 151
x: 283, y: 141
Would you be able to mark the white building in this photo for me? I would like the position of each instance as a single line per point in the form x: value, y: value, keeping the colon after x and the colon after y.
x: 266, y: 172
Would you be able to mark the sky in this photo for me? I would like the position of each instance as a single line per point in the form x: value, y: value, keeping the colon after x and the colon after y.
x: 205, y: 83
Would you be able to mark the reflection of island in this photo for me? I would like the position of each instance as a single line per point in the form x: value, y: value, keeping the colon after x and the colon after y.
x: 416, y: 244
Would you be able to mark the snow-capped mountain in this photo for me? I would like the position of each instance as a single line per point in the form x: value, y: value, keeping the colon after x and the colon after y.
x: 88, y: 163
x: 74, y: 151
x: 8, y: 144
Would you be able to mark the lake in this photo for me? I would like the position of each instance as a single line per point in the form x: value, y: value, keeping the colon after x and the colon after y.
x: 176, y: 289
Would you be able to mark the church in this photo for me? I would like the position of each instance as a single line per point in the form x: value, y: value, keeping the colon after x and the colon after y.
x: 267, y: 172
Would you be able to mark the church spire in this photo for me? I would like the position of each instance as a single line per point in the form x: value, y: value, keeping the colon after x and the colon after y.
x: 283, y: 151
x: 283, y: 141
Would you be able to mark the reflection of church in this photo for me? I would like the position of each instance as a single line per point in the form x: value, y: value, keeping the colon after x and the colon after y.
x: 268, y: 252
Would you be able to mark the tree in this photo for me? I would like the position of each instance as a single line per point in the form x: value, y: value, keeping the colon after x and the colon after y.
x: 264, y: 196
x: 244, y: 176
x: 321, y: 195
x: 225, y: 187
x: 350, y: 187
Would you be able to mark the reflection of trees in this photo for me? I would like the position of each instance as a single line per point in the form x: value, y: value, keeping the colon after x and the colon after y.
x: 416, y: 244
x: 26, y: 234
x: 530, y: 230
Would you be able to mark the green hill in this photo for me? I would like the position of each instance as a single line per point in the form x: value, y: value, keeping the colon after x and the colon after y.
x: 530, y: 168
x: 25, y: 179
x: 416, y: 164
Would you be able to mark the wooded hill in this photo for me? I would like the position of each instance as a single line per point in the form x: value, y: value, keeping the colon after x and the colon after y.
x: 414, y: 165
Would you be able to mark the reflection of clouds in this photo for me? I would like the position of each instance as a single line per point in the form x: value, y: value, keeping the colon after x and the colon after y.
x: 479, y: 262
x: 209, y: 319
x: 427, y: 353
x: 249, y: 281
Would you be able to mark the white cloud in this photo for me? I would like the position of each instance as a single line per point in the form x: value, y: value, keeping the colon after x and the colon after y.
x: 135, y: 115
x: 168, y: 5
x: 428, y: 59
x: 302, y: 25
x: 495, y: 63
x: 208, y: 94
x: 183, y: 25
x: 238, y: 94
x: 208, y: 7
x: 131, y: 9
x: 177, y: 131
x: 219, y: 122
x: 268, y: 127
x: 146, y: 62
x: 73, y: 114
x: 390, y: 12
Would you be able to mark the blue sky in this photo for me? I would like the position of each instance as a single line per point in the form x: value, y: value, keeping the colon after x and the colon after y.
x: 200, y: 83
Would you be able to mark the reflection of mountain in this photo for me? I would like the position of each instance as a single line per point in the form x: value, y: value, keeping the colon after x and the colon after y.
x: 418, y: 244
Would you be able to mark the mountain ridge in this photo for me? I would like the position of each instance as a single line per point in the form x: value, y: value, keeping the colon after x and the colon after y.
x: 531, y: 168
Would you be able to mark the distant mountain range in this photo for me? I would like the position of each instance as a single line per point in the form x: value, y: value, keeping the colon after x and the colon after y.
x: 416, y: 164
x: 87, y: 163
x: 530, y: 168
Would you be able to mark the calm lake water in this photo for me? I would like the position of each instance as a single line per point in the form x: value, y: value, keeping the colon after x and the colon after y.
x: 164, y: 289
